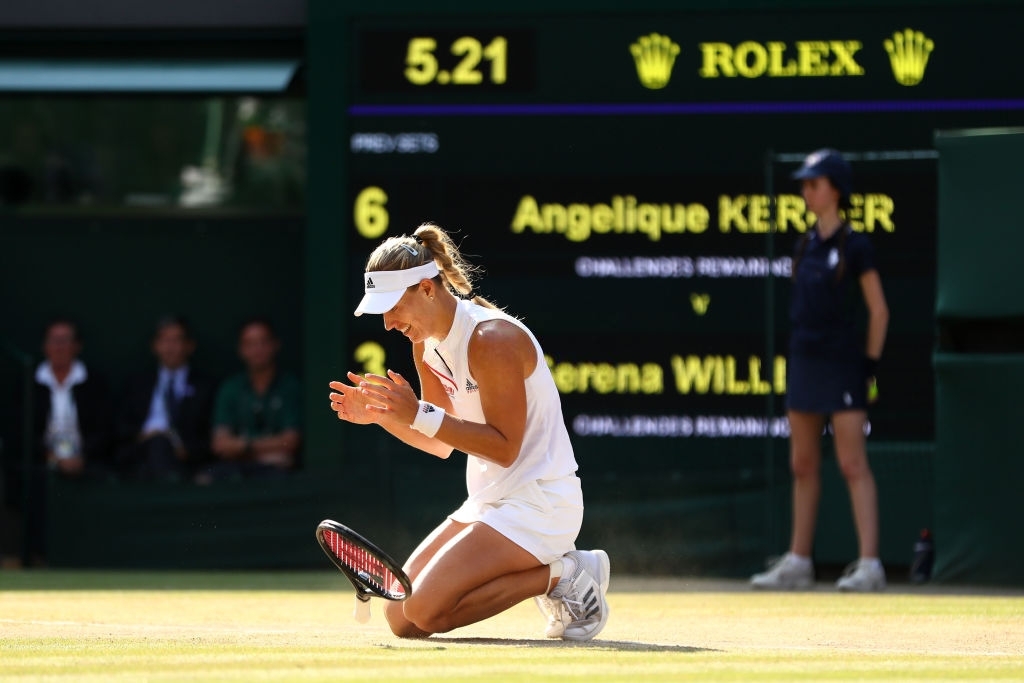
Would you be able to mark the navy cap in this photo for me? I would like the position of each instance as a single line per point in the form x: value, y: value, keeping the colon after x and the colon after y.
x: 830, y: 164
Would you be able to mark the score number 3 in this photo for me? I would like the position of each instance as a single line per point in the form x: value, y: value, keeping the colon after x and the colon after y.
x: 423, y: 67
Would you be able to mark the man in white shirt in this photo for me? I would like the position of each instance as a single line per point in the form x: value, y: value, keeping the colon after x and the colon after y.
x: 72, y: 421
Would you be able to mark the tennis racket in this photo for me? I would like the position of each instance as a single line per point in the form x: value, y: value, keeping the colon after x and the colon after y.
x: 370, y: 569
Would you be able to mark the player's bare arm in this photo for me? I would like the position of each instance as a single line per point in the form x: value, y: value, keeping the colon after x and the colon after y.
x: 501, y: 356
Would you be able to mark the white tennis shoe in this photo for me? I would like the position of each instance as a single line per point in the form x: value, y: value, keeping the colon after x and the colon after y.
x: 584, y: 610
x: 862, y: 577
x: 787, y: 573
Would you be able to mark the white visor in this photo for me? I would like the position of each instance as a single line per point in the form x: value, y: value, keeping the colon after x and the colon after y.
x: 383, y: 288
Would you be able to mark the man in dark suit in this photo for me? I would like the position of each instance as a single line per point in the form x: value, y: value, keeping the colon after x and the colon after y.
x: 164, y: 424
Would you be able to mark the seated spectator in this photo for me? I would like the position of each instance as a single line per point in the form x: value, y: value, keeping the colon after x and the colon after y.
x: 256, y: 416
x: 72, y: 420
x: 73, y: 413
x: 164, y: 423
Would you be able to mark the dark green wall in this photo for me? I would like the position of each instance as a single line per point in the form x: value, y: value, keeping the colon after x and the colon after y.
x: 979, y: 362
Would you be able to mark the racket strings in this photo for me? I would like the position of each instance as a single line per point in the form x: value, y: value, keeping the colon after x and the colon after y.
x: 364, y: 564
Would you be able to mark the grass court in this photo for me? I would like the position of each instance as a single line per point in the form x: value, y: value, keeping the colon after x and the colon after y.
x: 86, y: 626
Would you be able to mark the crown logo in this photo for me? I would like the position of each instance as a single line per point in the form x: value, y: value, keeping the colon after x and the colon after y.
x: 654, y: 56
x: 908, y: 54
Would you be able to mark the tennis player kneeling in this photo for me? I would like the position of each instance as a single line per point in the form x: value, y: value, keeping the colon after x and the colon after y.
x: 486, y: 391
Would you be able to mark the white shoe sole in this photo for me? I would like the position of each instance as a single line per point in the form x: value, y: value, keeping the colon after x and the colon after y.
x: 846, y: 588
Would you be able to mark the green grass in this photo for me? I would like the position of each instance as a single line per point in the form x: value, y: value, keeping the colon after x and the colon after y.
x: 152, y: 626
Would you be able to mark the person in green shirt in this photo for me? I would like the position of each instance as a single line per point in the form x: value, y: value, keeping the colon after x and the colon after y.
x: 256, y: 431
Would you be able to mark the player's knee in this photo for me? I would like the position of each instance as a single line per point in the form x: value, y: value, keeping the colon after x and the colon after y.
x: 407, y: 630
x: 428, y: 617
x: 399, y: 623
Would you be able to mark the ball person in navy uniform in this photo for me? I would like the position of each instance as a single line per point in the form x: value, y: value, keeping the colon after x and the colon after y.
x: 831, y: 374
x: 486, y: 391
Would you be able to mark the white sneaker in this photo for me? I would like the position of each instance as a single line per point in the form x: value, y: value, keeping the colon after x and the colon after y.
x: 787, y: 573
x: 583, y: 611
x: 862, y: 577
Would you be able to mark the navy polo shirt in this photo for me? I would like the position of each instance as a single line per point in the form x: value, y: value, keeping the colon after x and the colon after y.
x: 823, y: 308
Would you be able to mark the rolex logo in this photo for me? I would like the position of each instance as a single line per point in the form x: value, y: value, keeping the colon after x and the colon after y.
x: 908, y: 54
x: 654, y: 56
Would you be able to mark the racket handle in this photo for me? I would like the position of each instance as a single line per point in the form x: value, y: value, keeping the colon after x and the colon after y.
x: 361, y: 613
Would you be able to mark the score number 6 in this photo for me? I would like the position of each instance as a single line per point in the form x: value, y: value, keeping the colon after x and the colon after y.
x: 423, y: 67
x: 370, y: 212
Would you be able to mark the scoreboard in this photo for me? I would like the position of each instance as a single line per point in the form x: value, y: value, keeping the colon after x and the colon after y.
x: 622, y: 176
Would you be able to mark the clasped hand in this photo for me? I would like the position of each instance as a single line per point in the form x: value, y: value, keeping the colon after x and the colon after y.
x: 375, y: 399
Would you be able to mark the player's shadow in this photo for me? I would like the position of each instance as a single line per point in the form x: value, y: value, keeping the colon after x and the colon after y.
x: 618, y: 645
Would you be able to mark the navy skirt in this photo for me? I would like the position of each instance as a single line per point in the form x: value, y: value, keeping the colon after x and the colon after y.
x: 825, y: 385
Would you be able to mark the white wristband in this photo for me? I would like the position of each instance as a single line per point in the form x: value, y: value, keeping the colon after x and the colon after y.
x: 428, y: 418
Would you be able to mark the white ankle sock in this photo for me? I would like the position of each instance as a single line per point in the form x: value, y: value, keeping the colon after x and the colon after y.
x: 801, y: 560
x: 561, y: 570
x: 568, y: 565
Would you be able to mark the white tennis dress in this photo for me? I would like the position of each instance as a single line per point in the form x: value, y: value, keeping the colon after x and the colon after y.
x: 537, y: 502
